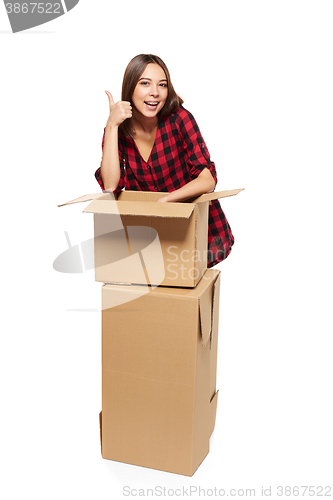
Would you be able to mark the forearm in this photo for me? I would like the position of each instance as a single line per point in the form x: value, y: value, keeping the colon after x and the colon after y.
x: 204, y: 183
x: 110, y: 168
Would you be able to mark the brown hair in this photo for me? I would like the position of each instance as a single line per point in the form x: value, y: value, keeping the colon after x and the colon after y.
x: 132, y: 74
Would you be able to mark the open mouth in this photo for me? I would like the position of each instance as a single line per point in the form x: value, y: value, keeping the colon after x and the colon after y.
x: 152, y: 104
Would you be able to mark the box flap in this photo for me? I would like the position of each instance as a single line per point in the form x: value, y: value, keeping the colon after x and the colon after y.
x: 205, y: 313
x: 205, y: 321
x: 212, y: 411
x: 145, y: 208
x: 217, y: 194
x: 215, y: 305
x: 110, y: 196
x: 90, y: 197
x: 100, y: 429
x: 209, y: 306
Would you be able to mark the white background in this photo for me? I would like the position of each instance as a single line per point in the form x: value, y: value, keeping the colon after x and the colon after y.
x: 257, y: 75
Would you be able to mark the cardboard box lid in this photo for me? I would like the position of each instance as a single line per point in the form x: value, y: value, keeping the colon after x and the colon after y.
x: 216, y: 195
x: 89, y: 197
x: 105, y: 203
x: 145, y: 208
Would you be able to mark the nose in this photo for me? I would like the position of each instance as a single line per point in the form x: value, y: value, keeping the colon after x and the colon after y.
x: 154, y: 90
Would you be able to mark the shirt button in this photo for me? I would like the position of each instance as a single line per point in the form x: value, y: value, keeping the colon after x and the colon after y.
x: 155, y: 187
x: 148, y: 166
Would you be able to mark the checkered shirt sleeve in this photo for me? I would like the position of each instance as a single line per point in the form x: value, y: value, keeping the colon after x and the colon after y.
x: 198, y: 156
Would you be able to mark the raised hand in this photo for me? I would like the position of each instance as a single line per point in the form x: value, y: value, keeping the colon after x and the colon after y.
x: 119, y: 111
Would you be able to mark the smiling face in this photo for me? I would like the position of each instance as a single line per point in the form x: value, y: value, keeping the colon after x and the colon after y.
x: 151, y: 91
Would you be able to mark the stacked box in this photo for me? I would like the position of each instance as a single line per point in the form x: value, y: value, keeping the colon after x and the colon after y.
x: 159, y: 355
x: 160, y: 314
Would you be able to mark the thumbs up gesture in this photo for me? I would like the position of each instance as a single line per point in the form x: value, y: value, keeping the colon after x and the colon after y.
x: 119, y: 111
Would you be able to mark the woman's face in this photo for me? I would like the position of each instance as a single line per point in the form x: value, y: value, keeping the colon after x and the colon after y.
x: 151, y: 91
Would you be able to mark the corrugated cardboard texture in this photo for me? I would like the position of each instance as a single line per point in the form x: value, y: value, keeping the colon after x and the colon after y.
x: 156, y: 384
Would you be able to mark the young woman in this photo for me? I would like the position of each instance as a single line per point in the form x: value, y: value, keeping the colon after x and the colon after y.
x: 152, y: 143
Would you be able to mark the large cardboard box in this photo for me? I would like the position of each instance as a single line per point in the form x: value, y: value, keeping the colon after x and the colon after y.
x: 159, y: 357
x: 137, y: 240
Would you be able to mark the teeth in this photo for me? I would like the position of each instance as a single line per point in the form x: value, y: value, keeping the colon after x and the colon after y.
x: 152, y: 103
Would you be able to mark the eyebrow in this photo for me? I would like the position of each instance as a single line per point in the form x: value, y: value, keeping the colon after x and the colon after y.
x: 143, y: 78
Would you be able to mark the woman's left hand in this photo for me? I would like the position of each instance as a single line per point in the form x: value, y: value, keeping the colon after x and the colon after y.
x: 163, y: 199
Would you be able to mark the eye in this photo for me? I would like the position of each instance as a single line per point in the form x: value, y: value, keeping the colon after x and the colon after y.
x: 144, y: 83
x: 164, y: 85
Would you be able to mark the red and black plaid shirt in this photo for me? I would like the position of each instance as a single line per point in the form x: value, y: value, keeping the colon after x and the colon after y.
x: 178, y: 156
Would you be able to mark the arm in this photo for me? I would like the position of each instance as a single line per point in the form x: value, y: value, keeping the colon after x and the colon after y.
x: 204, y: 183
x: 202, y: 169
x: 110, y: 168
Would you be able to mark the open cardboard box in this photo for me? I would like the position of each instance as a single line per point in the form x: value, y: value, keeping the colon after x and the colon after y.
x: 159, y: 358
x: 137, y: 240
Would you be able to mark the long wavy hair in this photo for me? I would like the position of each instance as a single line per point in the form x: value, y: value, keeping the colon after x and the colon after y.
x: 132, y: 75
